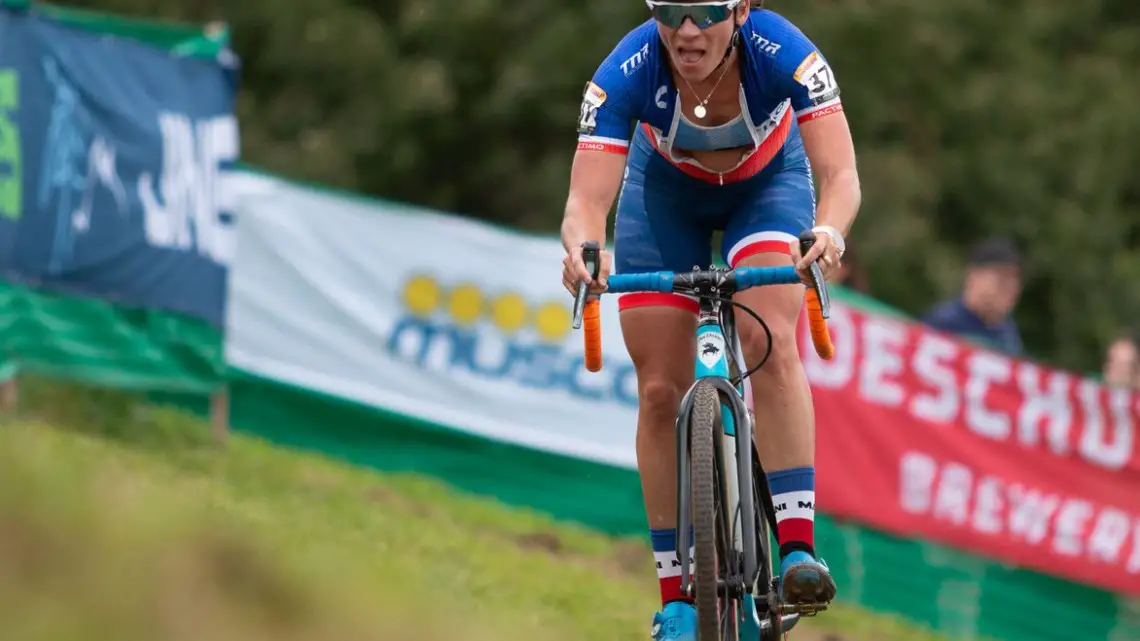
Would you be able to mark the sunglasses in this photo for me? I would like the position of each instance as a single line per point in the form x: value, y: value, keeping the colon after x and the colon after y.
x: 703, y: 14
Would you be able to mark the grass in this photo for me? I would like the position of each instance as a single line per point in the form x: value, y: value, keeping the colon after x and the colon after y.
x: 122, y: 521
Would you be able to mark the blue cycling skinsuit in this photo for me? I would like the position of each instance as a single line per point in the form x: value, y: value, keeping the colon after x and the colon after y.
x: 670, y: 205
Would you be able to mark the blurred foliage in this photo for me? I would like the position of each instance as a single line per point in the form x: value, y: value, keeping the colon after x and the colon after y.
x: 971, y: 117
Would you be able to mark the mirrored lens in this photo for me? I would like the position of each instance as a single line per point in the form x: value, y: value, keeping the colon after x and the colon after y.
x: 704, y: 16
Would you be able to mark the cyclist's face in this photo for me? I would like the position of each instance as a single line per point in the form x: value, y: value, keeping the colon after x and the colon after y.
x: 696, y: 52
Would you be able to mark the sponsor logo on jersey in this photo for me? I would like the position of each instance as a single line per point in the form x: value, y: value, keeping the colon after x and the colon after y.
x: 821, y: 112
x: 765, y: 45
x: 635, y: 61
x: 804, y: 66
x: 593, y: 97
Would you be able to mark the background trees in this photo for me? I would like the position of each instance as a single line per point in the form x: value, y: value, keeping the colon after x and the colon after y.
x: 970, y: 116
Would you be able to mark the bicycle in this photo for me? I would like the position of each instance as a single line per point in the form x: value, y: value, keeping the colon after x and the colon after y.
x: 735, y: 586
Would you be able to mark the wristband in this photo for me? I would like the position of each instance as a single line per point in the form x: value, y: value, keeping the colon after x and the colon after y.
x: 836, y: 237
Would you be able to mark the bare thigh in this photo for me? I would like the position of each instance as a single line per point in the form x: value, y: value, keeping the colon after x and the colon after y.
x: 781, y: 396
x: 661, y: 341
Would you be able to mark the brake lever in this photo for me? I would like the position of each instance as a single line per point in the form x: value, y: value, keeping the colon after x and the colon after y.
x: 591, y: 255
x: 807, y: 240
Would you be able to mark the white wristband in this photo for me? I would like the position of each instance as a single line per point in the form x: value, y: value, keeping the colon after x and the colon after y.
x: 836, y: 237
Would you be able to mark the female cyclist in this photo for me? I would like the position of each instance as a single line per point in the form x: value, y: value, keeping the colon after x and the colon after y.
x: 713, y: 116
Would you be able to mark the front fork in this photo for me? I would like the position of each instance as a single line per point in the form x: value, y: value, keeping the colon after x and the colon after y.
x: 735, y: 468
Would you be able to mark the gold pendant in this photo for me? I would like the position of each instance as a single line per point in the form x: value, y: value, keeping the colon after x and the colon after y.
x: 699, y: 111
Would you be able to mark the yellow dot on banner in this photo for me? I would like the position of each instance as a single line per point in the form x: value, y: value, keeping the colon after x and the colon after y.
x: 421, y: 295
x: 552, y: 320
x: 509, y: 312
x: 465, y: 304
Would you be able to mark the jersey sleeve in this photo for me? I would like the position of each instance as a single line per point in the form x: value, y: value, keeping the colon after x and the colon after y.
x: 806, y: 76
x: 606, y: 117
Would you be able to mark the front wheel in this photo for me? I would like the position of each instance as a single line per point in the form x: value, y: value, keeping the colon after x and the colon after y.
x: 709, y: 533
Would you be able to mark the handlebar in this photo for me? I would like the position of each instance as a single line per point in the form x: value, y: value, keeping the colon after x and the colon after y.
x: 700, y: 282
x: 683, y: 282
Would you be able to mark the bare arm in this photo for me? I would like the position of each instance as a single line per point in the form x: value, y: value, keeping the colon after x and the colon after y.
x: 831, y: 152
x: 595, y: 177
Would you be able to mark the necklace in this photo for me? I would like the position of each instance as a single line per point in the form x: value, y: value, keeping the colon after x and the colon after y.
x: 699, y: 111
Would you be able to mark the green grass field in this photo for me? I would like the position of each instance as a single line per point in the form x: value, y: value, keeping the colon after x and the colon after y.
x: 122, y: 521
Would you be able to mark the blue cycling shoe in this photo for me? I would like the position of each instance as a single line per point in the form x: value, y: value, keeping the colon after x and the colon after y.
x: 805, y: 580
x: 677, y: 621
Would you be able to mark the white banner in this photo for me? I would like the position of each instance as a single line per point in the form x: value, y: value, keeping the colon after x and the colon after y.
x: 455, y: 321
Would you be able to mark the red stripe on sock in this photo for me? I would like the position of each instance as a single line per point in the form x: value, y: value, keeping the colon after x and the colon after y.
x: 671, y: 590
x: 796, y: 530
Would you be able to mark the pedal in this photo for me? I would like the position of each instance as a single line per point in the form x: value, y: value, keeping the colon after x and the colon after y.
x: 802, y: 609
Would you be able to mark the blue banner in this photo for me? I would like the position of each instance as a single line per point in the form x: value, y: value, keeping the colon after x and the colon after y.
x: 110, y: 157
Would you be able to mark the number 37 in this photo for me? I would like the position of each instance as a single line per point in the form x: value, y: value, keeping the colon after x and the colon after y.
x: 821, y: 81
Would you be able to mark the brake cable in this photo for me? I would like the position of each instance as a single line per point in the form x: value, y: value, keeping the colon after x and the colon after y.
x: 767, y: 332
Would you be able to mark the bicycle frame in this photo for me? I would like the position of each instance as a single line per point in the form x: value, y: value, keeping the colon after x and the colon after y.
x: 736, y: 459
x: 735, y: 463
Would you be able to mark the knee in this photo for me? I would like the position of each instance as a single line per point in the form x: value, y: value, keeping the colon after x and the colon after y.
x: 785, y: 355
x: 659, y: 398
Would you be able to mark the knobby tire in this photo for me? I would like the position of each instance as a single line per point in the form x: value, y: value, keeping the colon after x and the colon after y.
x: 704, y: 421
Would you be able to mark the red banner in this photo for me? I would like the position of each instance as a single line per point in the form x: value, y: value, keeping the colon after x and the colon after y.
x: 925, y: 436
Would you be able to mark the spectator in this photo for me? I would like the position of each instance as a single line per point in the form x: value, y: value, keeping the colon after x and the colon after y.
x: 990, y: 290
x: 1122, y: 363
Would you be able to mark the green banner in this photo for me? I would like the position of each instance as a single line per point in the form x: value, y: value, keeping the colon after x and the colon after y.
x: 97, y: 343
x: 184, y: 39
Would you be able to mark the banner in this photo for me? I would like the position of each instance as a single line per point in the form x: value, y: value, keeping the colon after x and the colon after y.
x: 110, y: 154
x: 467, y: 325
x: 426, y: 314
x: 89, y: 341
x: 925, y: 435
x: 209, y: 41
